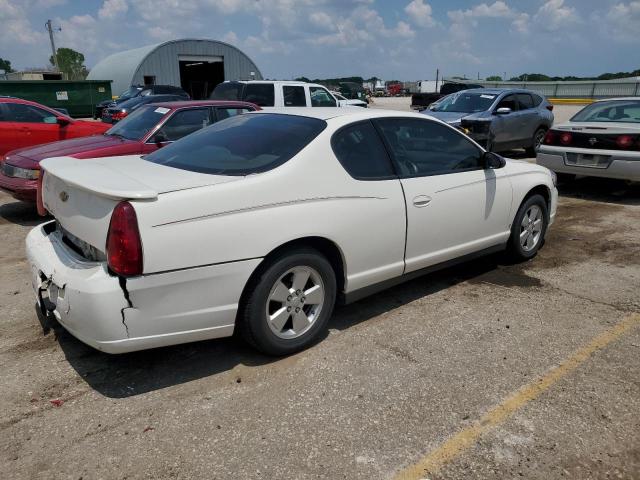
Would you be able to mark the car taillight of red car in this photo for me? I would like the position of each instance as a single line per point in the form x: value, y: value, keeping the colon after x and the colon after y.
x: 124, y: 246
x: 117, y: 116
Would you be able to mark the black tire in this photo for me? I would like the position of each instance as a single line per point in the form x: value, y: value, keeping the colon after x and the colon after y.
x: 538, y: 136
x: 252, y: 319
x: 515, y: 249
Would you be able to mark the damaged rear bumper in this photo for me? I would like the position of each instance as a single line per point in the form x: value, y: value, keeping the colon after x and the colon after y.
x: 115, y: 315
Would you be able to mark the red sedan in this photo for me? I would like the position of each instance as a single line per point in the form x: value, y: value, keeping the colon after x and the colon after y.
x: 143, y: 131
x: 24, y: 124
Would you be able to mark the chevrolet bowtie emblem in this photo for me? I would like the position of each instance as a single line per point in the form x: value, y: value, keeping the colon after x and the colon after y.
x: 593, y: 141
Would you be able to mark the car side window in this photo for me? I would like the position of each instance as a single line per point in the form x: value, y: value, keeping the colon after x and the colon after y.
x: 183, y: 123
x: 537, y: 100
x: 524, y: 101
x: 424, y: 147
x: 261, y: 94
x: 294, y: 96
x: 510, y: 101
x: 361, y: 152
x: 18, y: 112
x: 321, y: 97
x: 222, y: 113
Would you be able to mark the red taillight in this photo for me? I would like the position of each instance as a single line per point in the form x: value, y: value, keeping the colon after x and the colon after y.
x: 624, y: 141
x: 124, y: 248
x: 565, y: 138
x: 118, y: 115
x: 550, y: 108
x: 549, y: 138
x: 39, y: 202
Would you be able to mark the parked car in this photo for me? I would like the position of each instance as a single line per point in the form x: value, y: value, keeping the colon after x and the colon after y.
x: 353, y: 91
x: 150, y: 127
x: 345, y: 102
x: 120, y: 111
x: 140, y: 90
x: 24, y: 123
x: 269, y: 94
x: 422, y: 100
x: 263, y: 221
x: 601, y: 140
x: 498, y: 119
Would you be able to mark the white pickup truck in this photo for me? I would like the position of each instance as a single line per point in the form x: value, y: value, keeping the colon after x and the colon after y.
x: 276, y: 93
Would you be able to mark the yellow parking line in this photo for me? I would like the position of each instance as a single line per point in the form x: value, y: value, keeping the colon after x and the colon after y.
x: 466, y: 438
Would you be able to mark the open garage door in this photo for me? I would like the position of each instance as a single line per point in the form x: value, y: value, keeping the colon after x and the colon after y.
x: 199, y: 75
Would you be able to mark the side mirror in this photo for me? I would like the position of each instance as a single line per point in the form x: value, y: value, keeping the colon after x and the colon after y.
x: 62, y: 121
x: 503, y: 111
x: 493, y: 161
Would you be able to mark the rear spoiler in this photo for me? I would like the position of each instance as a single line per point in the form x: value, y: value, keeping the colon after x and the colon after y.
x: 95, y: 176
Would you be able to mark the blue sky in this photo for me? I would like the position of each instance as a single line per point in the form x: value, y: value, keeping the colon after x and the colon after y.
x: 403, y: 39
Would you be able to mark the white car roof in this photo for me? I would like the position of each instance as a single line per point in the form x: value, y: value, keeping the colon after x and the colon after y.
x: 279, y: 82
x: 615, y: 99
x: 326, y: 113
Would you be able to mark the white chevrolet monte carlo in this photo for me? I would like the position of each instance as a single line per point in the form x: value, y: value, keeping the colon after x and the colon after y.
x: 263, y: 222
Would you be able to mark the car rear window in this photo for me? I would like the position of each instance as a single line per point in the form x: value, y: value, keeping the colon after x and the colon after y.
x: 241, y: 145
x: 625, y: 111
x: 227, y: 91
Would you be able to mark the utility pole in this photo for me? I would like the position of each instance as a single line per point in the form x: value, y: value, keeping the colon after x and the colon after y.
x: 53, y: 45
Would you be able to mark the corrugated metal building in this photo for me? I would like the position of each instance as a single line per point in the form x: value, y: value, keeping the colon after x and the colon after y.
x: 195, y: 65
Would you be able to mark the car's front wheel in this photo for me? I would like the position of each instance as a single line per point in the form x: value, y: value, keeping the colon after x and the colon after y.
x: 288, y: 302
x: 529, y: 228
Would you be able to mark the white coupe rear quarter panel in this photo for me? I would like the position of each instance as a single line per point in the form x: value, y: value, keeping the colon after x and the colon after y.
x: 310, y: 195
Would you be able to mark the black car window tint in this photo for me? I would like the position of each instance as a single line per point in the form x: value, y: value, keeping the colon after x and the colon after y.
x: 261, y: 94
x: 362, y: 154
x: 294, y: 96
x: 425, y: 147
x: 183, y: 123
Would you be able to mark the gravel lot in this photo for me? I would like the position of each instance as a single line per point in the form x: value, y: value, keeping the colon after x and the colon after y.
x: 486, y: 370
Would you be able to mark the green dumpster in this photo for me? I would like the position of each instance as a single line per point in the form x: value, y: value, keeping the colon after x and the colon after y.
x: 78, y: 97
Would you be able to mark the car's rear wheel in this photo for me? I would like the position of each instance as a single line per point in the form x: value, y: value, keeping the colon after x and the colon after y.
x: 538, y: 137
x: 288, y: 302
x: 529, y: 228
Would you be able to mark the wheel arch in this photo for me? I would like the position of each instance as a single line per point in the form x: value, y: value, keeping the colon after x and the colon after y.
x: 539, y: 189
x: 326, y: 247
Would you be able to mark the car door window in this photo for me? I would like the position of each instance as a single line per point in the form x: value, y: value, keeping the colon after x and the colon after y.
x: 524, y: 101
x: 183, y: 123
x: 424, y: 147
x: 510, y: 101
x: 362, y: 154
x: 262, y: 94
x: 18, y: 112
x: 222, y: 113
x: 321, y: 97
x: 294, y: 96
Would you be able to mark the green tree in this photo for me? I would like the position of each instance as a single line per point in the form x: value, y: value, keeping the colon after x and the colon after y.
x: 494, y: 78
x: 5, y: 65
x: 71, y: 63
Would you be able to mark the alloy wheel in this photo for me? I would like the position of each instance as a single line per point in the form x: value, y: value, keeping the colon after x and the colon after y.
x: 295, y: 302
x: 531, y: 228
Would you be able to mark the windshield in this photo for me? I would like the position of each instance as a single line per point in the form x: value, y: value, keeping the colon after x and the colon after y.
x: 129, y: 93
x: 136, y: 125
x: 626, y: 111
x: 241, y: 145
x: 464, y: 102
x: 227, y: 91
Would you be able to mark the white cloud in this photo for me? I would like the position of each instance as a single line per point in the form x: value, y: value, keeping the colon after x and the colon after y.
x: 623, y: 21
x: 420, y: 13
x: 554, y: 15
x: 498, y: 9
x: 112, y: 8
x: 230, y: 37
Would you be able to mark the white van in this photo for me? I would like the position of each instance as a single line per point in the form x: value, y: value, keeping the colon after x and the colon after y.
x: 276, y: 93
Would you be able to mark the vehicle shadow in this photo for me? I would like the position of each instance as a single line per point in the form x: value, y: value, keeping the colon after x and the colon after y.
x: 120, y: 376
x: 20, y: 213
x: 601, y: 190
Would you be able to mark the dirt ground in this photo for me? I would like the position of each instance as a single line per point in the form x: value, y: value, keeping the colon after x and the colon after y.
x: 486, y: 370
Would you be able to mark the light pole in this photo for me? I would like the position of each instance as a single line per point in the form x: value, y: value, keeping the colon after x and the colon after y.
x: 53, y: 44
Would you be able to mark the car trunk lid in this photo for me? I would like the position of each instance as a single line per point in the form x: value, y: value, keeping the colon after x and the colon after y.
x: 81, y: 194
